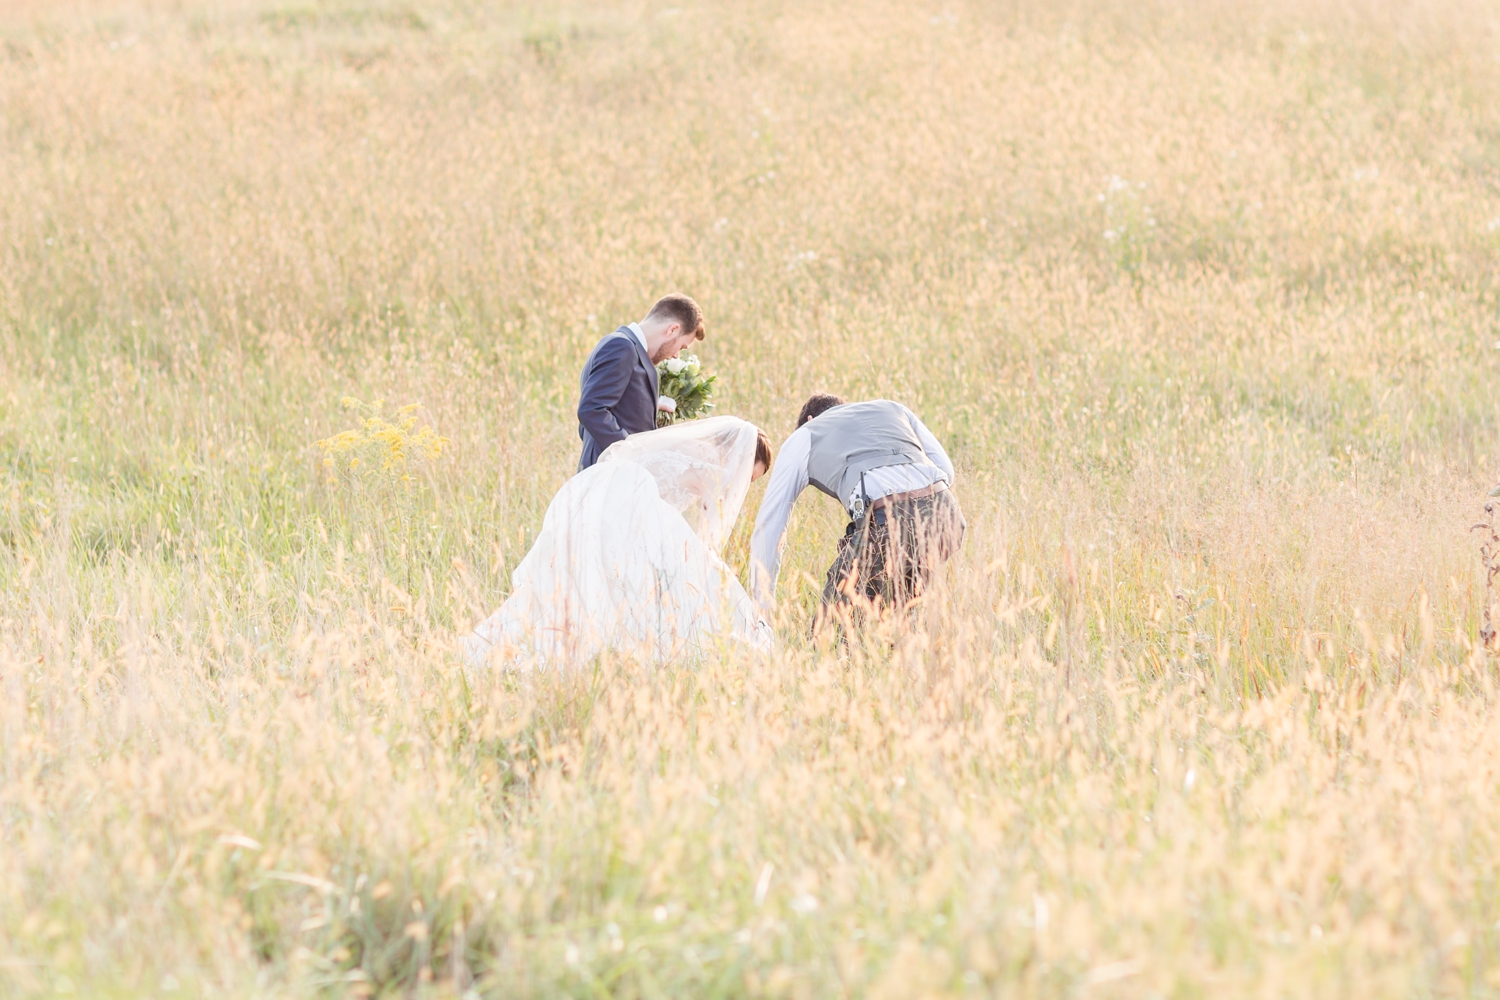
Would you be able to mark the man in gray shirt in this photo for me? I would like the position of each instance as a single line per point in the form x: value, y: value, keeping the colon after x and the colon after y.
x: 891, y: 475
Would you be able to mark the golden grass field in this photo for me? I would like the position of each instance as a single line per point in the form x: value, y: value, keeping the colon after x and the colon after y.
x: 1202, y: 298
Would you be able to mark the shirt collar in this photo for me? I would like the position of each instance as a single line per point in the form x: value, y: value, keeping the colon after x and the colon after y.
x: 640, y: 336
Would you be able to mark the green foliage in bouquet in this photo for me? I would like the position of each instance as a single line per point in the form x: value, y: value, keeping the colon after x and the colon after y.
x: 682, y: 381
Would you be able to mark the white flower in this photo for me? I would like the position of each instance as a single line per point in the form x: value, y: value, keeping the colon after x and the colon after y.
x: 666, y: 403
x: 675, y: 366
x: 805, y: 903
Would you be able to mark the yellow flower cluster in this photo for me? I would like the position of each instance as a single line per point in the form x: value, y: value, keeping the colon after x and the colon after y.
x: 376, y: 441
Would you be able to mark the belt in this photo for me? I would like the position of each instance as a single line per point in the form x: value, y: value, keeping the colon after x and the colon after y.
x: 875, y: 505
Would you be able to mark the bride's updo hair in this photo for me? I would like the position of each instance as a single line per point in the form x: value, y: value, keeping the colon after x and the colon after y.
x: 762, y: 449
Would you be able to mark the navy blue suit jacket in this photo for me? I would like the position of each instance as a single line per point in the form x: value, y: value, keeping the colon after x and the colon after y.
x: 618, y: 394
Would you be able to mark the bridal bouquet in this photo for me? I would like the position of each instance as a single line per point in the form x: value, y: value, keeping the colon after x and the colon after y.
x: 686, y: 393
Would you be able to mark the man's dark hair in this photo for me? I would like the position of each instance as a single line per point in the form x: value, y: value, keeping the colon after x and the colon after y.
x: 683, y: 309
x: 816, y: 404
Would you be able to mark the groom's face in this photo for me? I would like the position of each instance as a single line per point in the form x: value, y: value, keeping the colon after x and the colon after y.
x: 673, y: 344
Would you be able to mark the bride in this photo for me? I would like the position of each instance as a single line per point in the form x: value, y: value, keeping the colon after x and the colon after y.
x: 628, y: 555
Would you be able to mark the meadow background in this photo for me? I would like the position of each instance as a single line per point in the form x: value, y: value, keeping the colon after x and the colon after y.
x: 1202, y: 298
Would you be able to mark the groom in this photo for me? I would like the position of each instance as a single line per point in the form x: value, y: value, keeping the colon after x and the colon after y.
x: 619, y: 385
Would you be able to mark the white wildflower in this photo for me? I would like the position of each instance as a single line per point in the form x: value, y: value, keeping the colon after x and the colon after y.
x: 805, y: 903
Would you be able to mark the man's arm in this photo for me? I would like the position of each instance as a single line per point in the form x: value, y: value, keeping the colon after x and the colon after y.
x: 604, y: 385
x: 931, y: 446
x: 788, y: 480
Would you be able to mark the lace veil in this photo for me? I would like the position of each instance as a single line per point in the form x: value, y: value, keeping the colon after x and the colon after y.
x: 701, y: 467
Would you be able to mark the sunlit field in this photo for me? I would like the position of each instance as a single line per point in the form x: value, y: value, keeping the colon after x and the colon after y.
x: 1203, y: 299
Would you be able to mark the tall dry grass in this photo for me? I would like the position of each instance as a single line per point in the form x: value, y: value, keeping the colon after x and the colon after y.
x: 1201, y: 298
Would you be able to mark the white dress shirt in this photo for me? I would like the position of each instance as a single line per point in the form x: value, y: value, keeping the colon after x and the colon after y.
x: 662, y: 403
x: 789, y: 478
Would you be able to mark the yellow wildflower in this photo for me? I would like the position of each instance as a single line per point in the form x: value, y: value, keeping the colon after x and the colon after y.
x: 377, y: 441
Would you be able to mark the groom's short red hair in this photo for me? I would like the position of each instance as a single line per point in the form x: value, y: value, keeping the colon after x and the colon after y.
x: 682, y: 309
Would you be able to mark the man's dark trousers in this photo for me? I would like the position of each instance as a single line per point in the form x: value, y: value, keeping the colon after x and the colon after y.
x: 889, y: 555
x: 617, y: 395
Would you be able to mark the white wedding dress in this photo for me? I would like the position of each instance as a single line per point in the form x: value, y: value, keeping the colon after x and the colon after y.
x: 628, y: 556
